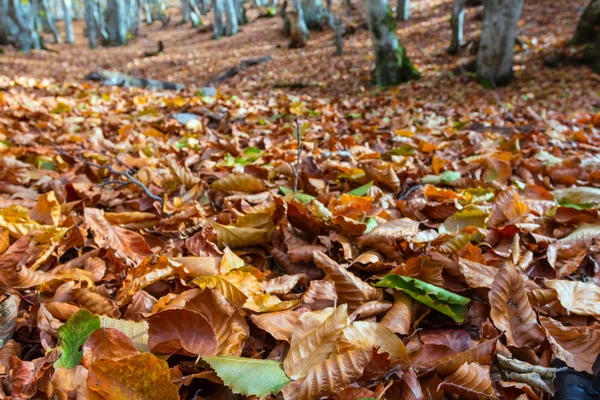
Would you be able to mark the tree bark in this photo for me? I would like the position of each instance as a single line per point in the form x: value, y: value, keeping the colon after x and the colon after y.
x: 90, y: 23
x: 590, y: 19
x: 24, y: 19
x: 231, y: 21
x: 49, y: 20
x: 5, y: 23
x: 186, y: 11
x: 314, y: 14
x: 217, y: 6
x: 298, y: 28
x: 496, y: 48
x: 116, y: 22
x: 403, y: 11
x: 68, y: 21
x: 457, y: 22
x: 392, y: 65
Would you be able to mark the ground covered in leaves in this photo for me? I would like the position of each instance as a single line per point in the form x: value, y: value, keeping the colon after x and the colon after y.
x: 152, y: 244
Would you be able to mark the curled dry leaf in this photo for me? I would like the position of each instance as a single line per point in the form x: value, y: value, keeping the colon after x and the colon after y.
x: 239, y: 183
x: 368, y: 335
x: 279, y: 324
x: 577, y: 346
x: 577, y: 297
x: 316, y: 345
x: 329, y: 376
x: 8, y: 318
x: 390, y: 231
x: 511, y: 311
x: 127, y: 244
x: 471, y: 381
x: 349, y: 288
x: 402, y: 314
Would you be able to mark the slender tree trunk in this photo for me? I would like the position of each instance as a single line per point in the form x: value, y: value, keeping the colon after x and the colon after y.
x: 76, y: 10
x: 24, y: 18
x: 100, y: 21
x: 392, y: 65
x: 231, y: 22
x: 217, y: 6
x: 457, y: 23
x: 147, y: 12
x: 298, y: 28
x: 496, y: 48
x: 314, y: 14
x: 240, y: 12
x: 403, y: 11
x: 186, y: 11
x: 90, y: 23
x: 68, y: 21
x: 116, y: 22
x: 49, y: 19
x: 5, y: 23
x: 590, y: 20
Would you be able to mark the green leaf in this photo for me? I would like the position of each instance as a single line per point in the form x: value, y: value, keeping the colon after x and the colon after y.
x: 579, y: 197
x: 361, y: 191
x: 73, y: 335
x: 61, y: 108
x: 448, y: 303
x: 371, y: 224
x: 444, y: 177
x: 301, y: 197
x: 249, y: 376
x: 404, y: 150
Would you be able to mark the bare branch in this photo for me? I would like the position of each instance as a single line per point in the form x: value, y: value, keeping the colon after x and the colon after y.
x: 296, y: 169
x: 113, y: 171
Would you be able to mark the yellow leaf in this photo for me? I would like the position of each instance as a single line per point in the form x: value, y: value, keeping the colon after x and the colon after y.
x: 230, y: 261
x: 46, y: 210
x: 268, y: 303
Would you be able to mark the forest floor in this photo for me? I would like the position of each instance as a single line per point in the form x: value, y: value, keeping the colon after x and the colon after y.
x: 193, y: 58
x: 437, y: 226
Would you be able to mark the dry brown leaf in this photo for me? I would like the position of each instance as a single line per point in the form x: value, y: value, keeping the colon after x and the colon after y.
x: 390, y: 231
x: 127, y: 244
x: 369, y: 335
x: 71, y: 384
x: 578, y: 346
x: 316, y: 345
x: 511, y: 311
x: 477, y: 275
x: 402, y: 314
x: 279, y: 324
x: 329, y: 376
x: 349, y: 288
x: 577, y: 297
x: 471, y: 381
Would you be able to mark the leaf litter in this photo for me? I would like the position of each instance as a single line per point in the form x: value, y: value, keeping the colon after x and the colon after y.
x: 432, y: 247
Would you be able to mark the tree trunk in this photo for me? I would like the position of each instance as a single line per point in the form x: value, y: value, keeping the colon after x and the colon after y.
x: 49, y: 20
x: 457, y: 22
x: 116, y: 22
x: 100, y: 21
x: 403, y: 11
x: 240, y: 12
x: 496, y: 48
x: 90, y: 23
x: 5, y: 23
x: 24, y: 19
x: 298, y: 28
x: 590, y: 20
x: 186, y: 11
x: 392, y: 65
x: 231, y: 22
x: 217, y: 6
x: 314, y: 14
x: 68, y: 21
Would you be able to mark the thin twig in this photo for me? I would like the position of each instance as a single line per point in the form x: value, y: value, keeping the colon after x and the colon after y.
x: 111, y: 169
x: 509, y: 116
x: 296, y: 169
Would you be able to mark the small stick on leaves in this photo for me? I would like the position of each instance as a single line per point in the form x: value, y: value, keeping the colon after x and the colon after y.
x: 296, y: 169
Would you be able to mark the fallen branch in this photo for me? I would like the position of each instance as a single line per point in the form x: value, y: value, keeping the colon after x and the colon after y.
x: 231, y: 72
x: 112, y: 78
x: 296, y: 169
x: 126, y: 174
